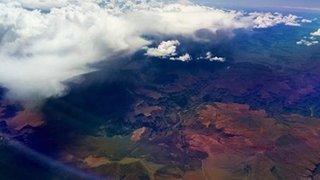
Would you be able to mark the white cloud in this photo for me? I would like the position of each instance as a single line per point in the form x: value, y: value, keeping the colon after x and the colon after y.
x: 307, y: 42
x: 168, y: 49
x: 311, y: 40
x: 265, y: 20
x: 183, y: 58
x: 165, y: 49
x: 306, y: 21
x: 40, y: 50
x: 316, y: 33
x: 210, y: 57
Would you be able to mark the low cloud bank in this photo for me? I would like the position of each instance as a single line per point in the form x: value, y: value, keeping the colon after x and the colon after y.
x: 47, y: 42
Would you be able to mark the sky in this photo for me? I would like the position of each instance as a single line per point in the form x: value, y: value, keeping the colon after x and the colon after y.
x: 265, y: 3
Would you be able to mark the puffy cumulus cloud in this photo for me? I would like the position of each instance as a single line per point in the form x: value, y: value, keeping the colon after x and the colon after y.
x: 306, y: 21
x: 210, y: 57
x: 307, y: 42
x: 264, y: 20
x: 316, y: 33
x: 184, y: 58
x: 311, y: 40
x: 165, y: 49
x: 39, y: 50
x: 168, y: 49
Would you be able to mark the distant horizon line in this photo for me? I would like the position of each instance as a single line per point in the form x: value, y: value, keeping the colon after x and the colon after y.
x: 263, y: 6
x: 303, y: 8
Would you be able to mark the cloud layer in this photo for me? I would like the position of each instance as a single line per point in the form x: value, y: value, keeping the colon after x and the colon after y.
x: 47, y: 42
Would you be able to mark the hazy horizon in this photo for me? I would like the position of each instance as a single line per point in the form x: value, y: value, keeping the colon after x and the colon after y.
x: 299, y: 4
